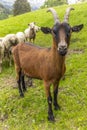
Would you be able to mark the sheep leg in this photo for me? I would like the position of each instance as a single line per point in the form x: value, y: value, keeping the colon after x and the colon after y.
x: 33, y: 40
x: 26, y: 39
x: 19, y: 85
x: 10, y: 60
x: 49, y: 100
x: 30, y: 40
x: 0, y: 60
x: 29, y: 82
x: 23, y: 83
x: 0, y: 65
x: 55, y: 91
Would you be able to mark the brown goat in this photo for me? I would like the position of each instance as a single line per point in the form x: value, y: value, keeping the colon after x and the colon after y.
x: 47, y: 64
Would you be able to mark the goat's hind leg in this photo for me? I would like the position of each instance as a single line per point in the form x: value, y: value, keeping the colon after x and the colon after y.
x: 23, y: 82
x: 19, y: 84
x: 55, y: 92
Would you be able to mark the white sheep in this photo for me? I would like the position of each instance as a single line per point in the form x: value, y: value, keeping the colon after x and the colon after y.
x: 30, y: 32
x: 21, y: 37
x: 9, y: 41
x: 37, y: 28
x: 1, y: 38
x: 6, y: 44
x: 2, y: 47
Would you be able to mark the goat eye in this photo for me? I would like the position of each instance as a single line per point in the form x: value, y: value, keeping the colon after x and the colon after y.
x: 68, y: 33
x: 54, y: 31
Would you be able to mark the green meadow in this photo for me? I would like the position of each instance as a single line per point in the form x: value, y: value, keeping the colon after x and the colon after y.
x: 30, y: 112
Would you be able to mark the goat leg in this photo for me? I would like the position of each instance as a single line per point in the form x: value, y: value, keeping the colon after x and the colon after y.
x: 19, y: 85
x: 50, y: 111
x: 49, y: 100
x: 56, y: 106
x: 23, y: 82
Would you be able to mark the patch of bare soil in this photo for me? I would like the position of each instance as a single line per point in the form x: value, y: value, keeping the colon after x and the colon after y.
x: 75, y: 51
x: 11, y: 82
x: 7, y: 81
x: 3, y: 117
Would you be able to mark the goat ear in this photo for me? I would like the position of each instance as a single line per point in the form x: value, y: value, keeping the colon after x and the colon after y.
x: 46, y: 30
x: 77, y: 28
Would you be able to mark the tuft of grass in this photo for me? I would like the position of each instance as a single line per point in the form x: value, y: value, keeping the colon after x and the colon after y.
x: 30, y: 112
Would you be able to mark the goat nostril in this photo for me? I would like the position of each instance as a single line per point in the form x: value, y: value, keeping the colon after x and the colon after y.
x: 63, y: 48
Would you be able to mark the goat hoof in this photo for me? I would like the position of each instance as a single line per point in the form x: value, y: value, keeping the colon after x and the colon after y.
x: 21, y: 95
x: 51, y: 118
x: 57, y: 107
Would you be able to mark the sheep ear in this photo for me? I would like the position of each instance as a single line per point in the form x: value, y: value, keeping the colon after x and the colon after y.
x: 46, y: 30
x: 77, y: 28
x: 28, y: 24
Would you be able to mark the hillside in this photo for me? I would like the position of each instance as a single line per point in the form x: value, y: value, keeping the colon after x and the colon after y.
x: 30, y: 112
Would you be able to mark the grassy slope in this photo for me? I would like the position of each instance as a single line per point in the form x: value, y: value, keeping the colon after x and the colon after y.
x: 30, y: 113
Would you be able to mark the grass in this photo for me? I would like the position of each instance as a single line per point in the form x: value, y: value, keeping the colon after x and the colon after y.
x: 30, y: 112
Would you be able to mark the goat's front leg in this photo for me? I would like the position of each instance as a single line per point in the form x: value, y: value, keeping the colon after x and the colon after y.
x: 55, y: 91
x: 49, y: 100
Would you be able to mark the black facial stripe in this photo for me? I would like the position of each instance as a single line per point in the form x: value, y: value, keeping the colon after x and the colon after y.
x: 66, y: 29
x: 56, y: 29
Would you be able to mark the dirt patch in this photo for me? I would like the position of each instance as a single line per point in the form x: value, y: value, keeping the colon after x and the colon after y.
x: 7, y: 81
x: 11, y: 82
x: 3, y: 117
x: 76, y: 51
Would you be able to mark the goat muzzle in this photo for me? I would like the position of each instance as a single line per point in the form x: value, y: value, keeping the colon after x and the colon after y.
x: 62, y: 50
